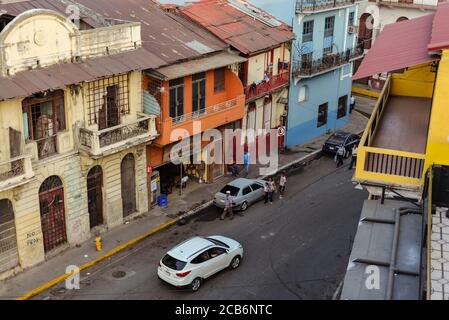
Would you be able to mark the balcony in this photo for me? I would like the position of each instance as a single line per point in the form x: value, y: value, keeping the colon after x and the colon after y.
x: 412, y: 4
x: 307, y: 69
x: 99, y: 143
x: 211, y: 117
x: 259, y: 90
x: 392, y: 149
x: 307, y: 6
x: 15, y: 172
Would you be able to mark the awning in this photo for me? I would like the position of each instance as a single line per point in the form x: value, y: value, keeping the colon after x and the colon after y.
x: 219, y: 60
x: 399, y: 45
x: 26, y: 83
x: 440, y: 34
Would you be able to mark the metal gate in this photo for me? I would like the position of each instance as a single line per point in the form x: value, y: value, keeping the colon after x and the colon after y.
x: 95, y: 196
x: 128, y: 178
x: 9, y: 256
x: 51, y: 202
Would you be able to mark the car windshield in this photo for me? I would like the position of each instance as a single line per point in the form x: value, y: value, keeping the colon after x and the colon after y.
x: 234, y: 190
x: 338, y: 138
x: 218, y: 242
x: 173, y: 263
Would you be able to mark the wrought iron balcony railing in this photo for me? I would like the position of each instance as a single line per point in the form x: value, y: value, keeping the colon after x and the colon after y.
x: 106, y: 141
x: 14, y: 171
x: 255, y: 91
x: 305, y: 69
x: 317, y: 5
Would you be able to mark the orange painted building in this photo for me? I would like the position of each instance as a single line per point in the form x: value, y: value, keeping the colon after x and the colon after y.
x: 207, y: 91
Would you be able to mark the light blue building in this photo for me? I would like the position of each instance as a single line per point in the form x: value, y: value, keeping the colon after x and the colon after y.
x: 320, y: 88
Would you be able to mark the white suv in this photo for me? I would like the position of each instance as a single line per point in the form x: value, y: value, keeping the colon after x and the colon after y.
x: 194, y: 260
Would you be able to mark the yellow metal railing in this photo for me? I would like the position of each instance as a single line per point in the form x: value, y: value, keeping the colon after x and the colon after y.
x: 385, y: 166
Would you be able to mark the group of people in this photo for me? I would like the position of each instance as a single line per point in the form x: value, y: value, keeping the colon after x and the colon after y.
x: 340, y: 155
x: 269, y: 190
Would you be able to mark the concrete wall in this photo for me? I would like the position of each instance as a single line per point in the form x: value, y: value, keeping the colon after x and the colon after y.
x: 322, y: 88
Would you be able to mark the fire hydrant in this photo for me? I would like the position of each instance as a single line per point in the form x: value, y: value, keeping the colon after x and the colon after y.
x: 98, y: 243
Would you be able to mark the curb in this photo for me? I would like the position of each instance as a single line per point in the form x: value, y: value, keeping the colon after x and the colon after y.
x: 110, y: 253
x: 310, y: 157
x: 366, y: 92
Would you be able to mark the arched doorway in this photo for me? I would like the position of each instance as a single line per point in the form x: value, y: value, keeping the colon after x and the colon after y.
x: 51, y: 202
x: 366, y: 31
x: 95, y: 196
x: 9, y: 256
x: 128, y: 178
x: 402, y: 19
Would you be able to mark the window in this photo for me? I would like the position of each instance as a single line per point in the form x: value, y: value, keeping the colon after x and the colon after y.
x: 306, y: 57
x: 199, y: 93
x: 107, y: 100
x: 303, y: 93
x: 342, y: 106
x: 327, y: 51
x: 329, y: 26
x: 247, y: 191
x: 215, y: 252
x: 219, y: 80
x: 173, y: 263
x: 307, y: 31
x: 176, y: 99
x: 322, y: 115
x: 351, y: 18
x: 202, y: 257
x: 234, y: 190
x: 256, y: 186
x: 43, y: 118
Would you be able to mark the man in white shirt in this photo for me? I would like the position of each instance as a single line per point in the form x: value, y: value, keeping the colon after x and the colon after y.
x: 282, y: 183
x: 355, y: 149
x: 352, y: 104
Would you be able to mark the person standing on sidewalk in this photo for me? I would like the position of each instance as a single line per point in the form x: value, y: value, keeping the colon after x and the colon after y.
x: 355, y: 149
x: 340, y: 155
x: 282, y: 183
x: 266, y: 190
x: 229, y: 201
x: 352, y: 105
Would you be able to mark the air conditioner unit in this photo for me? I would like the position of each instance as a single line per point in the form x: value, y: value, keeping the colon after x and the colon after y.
x: 352, y: 29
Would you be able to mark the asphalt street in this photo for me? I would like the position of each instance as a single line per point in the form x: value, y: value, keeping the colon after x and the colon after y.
x: 296, y: 248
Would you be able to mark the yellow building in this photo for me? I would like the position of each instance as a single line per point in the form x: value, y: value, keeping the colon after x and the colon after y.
x: 73, y: 134
x: 408, y: 131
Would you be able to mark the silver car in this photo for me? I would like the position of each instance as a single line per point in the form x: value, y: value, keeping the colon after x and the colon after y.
x: 245, y: 192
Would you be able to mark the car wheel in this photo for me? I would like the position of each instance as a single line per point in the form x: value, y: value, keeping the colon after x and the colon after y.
x: 244, y: 206
x: 196, y: 284
x: 235, y: 263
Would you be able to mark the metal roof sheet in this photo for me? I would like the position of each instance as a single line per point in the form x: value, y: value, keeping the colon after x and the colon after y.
x: 58, y: 76
x: 218, y: 60
x: 242, y: 31
x: 388, y: 235
x: 398, y: 47
x: 440, y: 34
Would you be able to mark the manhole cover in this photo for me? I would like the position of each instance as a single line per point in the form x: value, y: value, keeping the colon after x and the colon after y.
x: 58, y: 291
x: 119, y: 274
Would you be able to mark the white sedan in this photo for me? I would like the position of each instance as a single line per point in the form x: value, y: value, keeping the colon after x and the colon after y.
x: 194, y: 260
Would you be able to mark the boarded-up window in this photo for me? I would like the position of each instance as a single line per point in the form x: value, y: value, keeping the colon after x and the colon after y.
x: 219, y: 80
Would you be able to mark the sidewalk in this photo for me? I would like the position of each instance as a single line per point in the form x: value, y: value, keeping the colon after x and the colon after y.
x: 52, y: 271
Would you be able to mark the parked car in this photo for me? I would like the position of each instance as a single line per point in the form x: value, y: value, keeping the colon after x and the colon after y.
x: 245, y: 192
x: 195, y: 260
x: 340, y: 138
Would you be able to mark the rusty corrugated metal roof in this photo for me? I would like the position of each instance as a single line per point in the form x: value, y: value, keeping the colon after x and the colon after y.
x: 168, y: 36
x: 242, y: 31
x: 58, y: 76
x: 397, y: 48
x: 218, y: 60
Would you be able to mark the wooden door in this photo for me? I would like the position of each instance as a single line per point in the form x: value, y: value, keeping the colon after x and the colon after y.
x: 128, y: 180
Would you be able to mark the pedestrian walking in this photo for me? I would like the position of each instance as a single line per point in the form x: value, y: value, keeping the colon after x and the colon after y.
x: 352, y: 106
x: 340, y: 155
x: 266, y: 190
x: 229, y: 202
x: 246, y: 162
x: 271, y: 190
x: 282, y: 183
x: 355, y: 149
